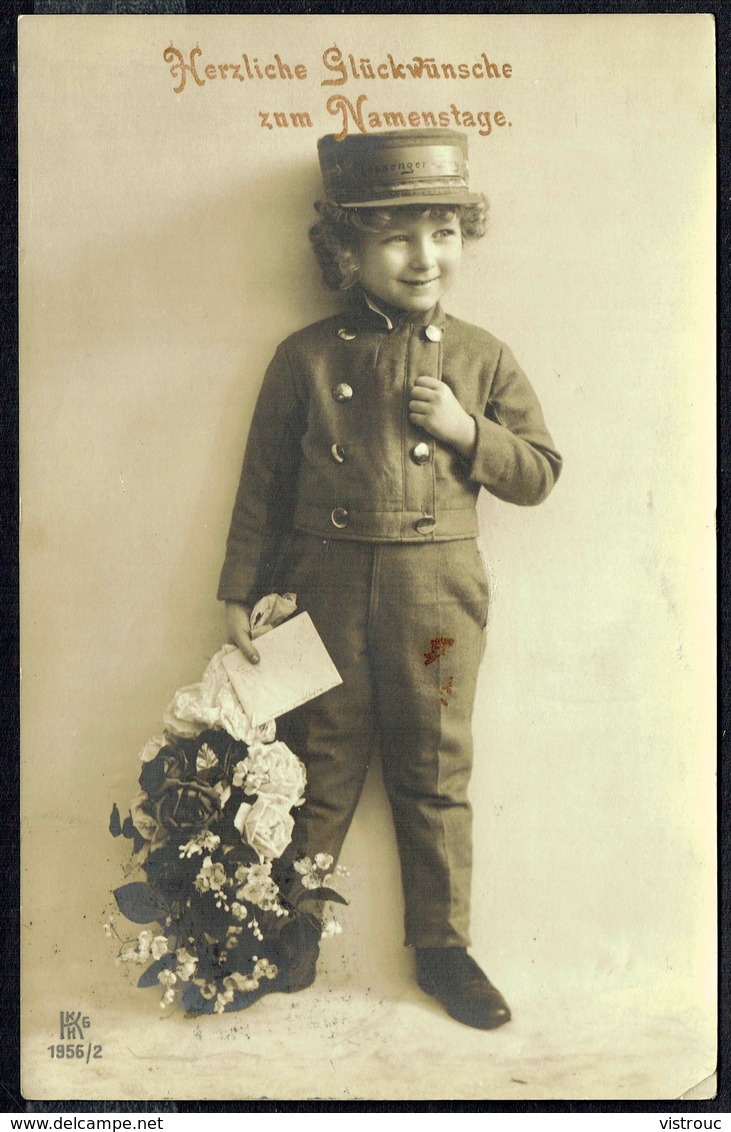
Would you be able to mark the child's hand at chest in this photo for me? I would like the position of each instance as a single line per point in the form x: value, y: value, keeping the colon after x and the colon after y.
x: 434, y: 407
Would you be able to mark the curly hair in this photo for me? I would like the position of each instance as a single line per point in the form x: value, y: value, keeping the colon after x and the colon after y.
x: 336, y: 235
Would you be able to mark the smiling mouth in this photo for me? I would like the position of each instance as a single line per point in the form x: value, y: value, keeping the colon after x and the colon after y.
x: 419, y: 282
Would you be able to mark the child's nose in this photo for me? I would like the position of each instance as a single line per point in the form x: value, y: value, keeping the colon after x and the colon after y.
x: 423, y: 254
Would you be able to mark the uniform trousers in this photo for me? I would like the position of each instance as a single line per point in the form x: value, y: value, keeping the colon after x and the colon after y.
x: 404, y: 624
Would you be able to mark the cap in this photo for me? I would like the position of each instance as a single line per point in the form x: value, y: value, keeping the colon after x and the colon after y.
x: 396, y: 167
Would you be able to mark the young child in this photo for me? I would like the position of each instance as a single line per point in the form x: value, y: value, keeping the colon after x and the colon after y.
x: 373, y: 433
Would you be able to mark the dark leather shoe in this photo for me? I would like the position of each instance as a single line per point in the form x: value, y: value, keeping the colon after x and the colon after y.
x: 452, y: 976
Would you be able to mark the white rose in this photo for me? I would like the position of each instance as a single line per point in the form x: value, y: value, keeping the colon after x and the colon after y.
x: 273, y: 769
x: 267, y: 825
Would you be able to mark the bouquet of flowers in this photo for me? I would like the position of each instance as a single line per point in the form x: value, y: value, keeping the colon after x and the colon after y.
x: 224, y: 899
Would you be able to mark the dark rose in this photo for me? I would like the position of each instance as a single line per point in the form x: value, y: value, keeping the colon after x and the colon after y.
x: 168, y: 763
x: 186, y: 808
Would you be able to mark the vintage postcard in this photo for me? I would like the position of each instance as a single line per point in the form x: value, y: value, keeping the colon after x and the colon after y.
x: 483, y: 458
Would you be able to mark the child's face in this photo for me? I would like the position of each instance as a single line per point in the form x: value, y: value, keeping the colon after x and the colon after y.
x: 412, y: 263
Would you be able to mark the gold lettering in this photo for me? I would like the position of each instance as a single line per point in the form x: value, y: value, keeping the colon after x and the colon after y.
x: 180, y: 68
x: 339, y: 104
x: 333, y: 60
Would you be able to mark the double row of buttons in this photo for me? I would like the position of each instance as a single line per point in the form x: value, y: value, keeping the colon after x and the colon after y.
x: 431, y: 332
x: 342, y: 393
x: 420, y: 453
x: 340, y: 517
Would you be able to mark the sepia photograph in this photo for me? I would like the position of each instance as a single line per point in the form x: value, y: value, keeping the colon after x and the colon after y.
x: 367, y: 467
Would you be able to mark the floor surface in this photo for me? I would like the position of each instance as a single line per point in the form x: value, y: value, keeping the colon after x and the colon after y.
x: 344, y: 1040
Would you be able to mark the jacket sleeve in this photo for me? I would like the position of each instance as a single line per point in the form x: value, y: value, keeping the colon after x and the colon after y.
x: 515, y: 457
x: 266, y: 494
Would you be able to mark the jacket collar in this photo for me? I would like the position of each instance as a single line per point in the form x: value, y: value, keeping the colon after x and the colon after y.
x: 370, y: 314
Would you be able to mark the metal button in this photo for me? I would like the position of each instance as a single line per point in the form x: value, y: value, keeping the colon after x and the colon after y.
x: 420, y: 453
x: 433, y: 333
x: 340, y: 517
x: 426, y: 524
x: 338, y: 453
x: 342, y: 392
x: 345, y: 334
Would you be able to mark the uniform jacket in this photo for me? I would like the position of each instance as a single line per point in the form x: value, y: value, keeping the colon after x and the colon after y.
x: 331, y: 450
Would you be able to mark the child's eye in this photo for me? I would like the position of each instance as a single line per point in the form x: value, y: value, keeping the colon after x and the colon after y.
x: 399, y: 238
x: 445, y: 232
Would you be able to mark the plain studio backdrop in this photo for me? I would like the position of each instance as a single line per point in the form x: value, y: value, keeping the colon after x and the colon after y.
x: 164, y: 255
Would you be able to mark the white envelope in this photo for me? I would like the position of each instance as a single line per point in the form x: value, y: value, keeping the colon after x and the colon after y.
x: 294, y: 667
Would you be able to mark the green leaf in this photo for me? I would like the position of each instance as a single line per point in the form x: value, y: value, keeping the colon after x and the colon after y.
x: 148, y: 978
x: 322, y: 894
x: 195, y: 1003
x: 115, y: 822
x: 137, y: 902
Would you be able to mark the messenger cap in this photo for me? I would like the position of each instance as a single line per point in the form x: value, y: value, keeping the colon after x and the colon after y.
x: 396, y: 167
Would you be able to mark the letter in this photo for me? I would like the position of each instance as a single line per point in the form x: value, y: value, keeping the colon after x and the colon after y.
x: 665, y: 1123
x: 302, y: 119
x: 443, y: 119
x: 280, y: 119
x: 285, y: 72
x: 353, y: 68
x: 507, y: 70
x: 396, y: 118
x: 416, y: 68
x: 463, y: 70
x: 477, y: 71
x: 58, y: 1122
x: 211, y: 71
x: 397, y: 69
x: 428, y: 118
x: 491, y: 71
x: 300, y: 71
x: 374, y: 121
x: 431, y: 68
x: 467, y: 118
x: 223, y: 67
x: 333, y: 60
x: 237, y: 72
x: 455, y: 112
x: 448, y: 71
x: 499, y: 118
x: 257, y: 68
x: 484, y: 119
x: 382, y: 70
x: 246, y: 64
x: 270, y: 71
x: 180, y: 68
x: 339, y: 104
x: 414, y: 119
x: 367, y: 69
x: 265, y: 120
